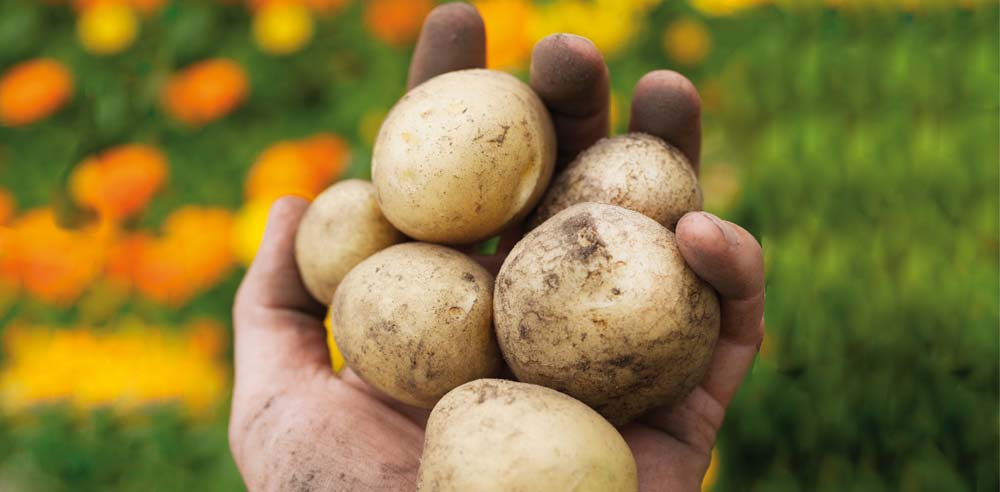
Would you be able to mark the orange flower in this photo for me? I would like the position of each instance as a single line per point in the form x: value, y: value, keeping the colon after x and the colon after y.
x: 120, y: 181
x: 318, y: 6
x: 325, y: 6
x: 396, y: 22
x: 52, y: 263
x: 305, y: 167
x: 326, y: 155
x: 7, y: 206
x: 205, y: 91
x: 124, y: 256
x: 33, y: 90
x: 194, y: 253
x: 507, y: 32
x: 142, y: 6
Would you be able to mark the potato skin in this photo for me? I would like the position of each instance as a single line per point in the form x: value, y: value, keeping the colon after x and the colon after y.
x: 637, y: 171
x: 342, y: 226
x: 415, y: 321
x: 597, y: 302
x: 494, y: 435
x: 462, y: 156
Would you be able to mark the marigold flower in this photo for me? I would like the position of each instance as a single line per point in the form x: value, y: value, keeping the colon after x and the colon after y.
x: 687, y: 41
x: 132, y: 364
x: 322, y: 7
x: 7, y: 206
x: 107, y: 28
x: 194, y: 253
x: 55, y: 264
x: 396, y: 22
x: 508, y: 38
x: 33, y: 90
x: 282, y: 28
x: 304, y: 167
x: 725, y: 7
x: 121, y: 181
x: 248, y: 229
x: 205, y: 91
x: 144, y: 7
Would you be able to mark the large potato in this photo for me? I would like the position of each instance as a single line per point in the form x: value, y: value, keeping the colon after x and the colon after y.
x: 415, y: 321
x: 637, y: 171
x: 598, y: 302
x: 462, y: 156
x: 493, y: 435
x: 342, y: 226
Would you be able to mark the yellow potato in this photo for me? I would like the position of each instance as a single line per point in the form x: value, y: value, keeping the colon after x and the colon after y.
x: 462, y: 156
x: 598, y: 302
x: 342, y: 226
x: 415, y: 321
x: 494, y: 435
x: 637, y: 171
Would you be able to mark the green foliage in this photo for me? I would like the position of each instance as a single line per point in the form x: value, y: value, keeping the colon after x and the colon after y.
x: 869, y: 155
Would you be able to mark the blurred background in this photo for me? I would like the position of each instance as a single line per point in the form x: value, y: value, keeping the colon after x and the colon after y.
x: 142, y: 141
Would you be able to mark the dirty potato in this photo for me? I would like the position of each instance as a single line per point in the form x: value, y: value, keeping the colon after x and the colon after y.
x: 637, y: 171
x: 342, y: 226
x: 415, y: 321
x: 462, y: 156
x: 494, y: 435
x: 598, y: 302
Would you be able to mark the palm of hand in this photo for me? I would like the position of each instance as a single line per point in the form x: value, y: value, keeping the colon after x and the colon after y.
x: 296, y: 425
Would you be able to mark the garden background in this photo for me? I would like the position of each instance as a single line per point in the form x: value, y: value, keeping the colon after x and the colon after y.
x: 141, y: 142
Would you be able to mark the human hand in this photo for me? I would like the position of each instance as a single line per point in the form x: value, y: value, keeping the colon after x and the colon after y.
x: 295, y: 425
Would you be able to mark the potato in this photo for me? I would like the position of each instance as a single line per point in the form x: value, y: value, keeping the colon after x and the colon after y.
x: 462, y: 156
x: 415, y: 321
x: 342, y: 226
x: 504, y: 436
x: 637, y: 171
x: 597, y: 302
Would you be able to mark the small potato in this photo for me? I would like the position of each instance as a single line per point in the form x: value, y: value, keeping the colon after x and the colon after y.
x: 494, y: 435
x: 342, y: 226
x: 415, y: 321
x: 462, y: 156
x: 637, y: 171
x: 597, y: 302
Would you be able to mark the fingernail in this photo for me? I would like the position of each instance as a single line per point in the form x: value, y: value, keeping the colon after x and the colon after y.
x: 724, y: 228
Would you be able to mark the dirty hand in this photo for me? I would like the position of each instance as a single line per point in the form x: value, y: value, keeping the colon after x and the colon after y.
x: 295, y: 425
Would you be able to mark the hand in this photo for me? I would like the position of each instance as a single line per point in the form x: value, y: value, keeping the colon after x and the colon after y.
x: 295, y: 425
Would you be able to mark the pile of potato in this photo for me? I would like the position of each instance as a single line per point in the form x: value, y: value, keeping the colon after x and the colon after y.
x: 594, y: 311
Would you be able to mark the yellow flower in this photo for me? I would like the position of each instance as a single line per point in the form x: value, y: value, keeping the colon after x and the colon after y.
x: 248, y: 229
x: 282, y: 28
x: 336, y: 359
x: 712, y: 474
x: 107, y: 28
x: 725, y: 7
x: 614, y: 110
x: 609, y: 24
x: 687, y: 41
x: 131, y: 365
